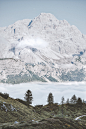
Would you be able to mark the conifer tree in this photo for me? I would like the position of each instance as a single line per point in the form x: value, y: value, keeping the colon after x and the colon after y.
x: 67, y: 102
x: 28, y: 97
x: 62, y: 100
x: 79, y: 102
x: 62, y: 106
x: 50, y: 99
x: 73, y: 99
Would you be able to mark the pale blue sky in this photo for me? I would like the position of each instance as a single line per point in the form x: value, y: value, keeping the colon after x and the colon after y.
x: 74, y: 11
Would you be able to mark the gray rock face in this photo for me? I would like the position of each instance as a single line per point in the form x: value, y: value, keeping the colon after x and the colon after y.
x: 43, y: 49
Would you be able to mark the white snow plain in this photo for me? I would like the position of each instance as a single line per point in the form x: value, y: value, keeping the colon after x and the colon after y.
x: 40, y: 91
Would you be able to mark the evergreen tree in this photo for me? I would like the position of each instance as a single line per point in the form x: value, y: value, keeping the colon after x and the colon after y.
x: 67, y: 102
x: 62, y: 102
x: 28, y: 97
x: 50, y: 98
x: 79, y: 102
x: 73, y: 99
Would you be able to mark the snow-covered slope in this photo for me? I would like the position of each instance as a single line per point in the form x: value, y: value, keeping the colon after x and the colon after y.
x: 45, y: 47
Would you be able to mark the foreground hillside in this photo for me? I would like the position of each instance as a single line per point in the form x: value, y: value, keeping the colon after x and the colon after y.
x: 42, y: 49
x: 16, y: 115
x: 50, y: 123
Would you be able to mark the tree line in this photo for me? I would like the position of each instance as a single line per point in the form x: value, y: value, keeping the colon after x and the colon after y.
x: 29, y: 98
x: 74, y: 100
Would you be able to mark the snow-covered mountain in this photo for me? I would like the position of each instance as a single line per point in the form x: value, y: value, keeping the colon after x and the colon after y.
x: 42, y: 49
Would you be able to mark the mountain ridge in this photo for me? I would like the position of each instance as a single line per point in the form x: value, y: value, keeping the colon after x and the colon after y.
x: 46, y: 46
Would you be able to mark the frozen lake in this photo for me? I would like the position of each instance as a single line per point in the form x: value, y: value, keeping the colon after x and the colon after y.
x: 40, y: 91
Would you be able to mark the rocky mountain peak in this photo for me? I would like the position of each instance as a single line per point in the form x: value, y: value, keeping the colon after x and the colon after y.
x: 46, y: 16
x: 44, y: 19
x: 45, y: 46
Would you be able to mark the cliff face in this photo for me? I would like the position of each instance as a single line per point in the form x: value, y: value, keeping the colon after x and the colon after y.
x: 43, y: 49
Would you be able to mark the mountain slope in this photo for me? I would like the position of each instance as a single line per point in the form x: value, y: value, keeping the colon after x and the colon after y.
x: 14, y: 114
x: 47, y: 47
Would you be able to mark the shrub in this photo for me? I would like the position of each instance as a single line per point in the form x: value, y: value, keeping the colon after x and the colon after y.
x: 5, y: 95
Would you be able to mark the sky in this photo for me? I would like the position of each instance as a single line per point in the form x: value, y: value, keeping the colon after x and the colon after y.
x: 40, y: 94
x: 74, y: 11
